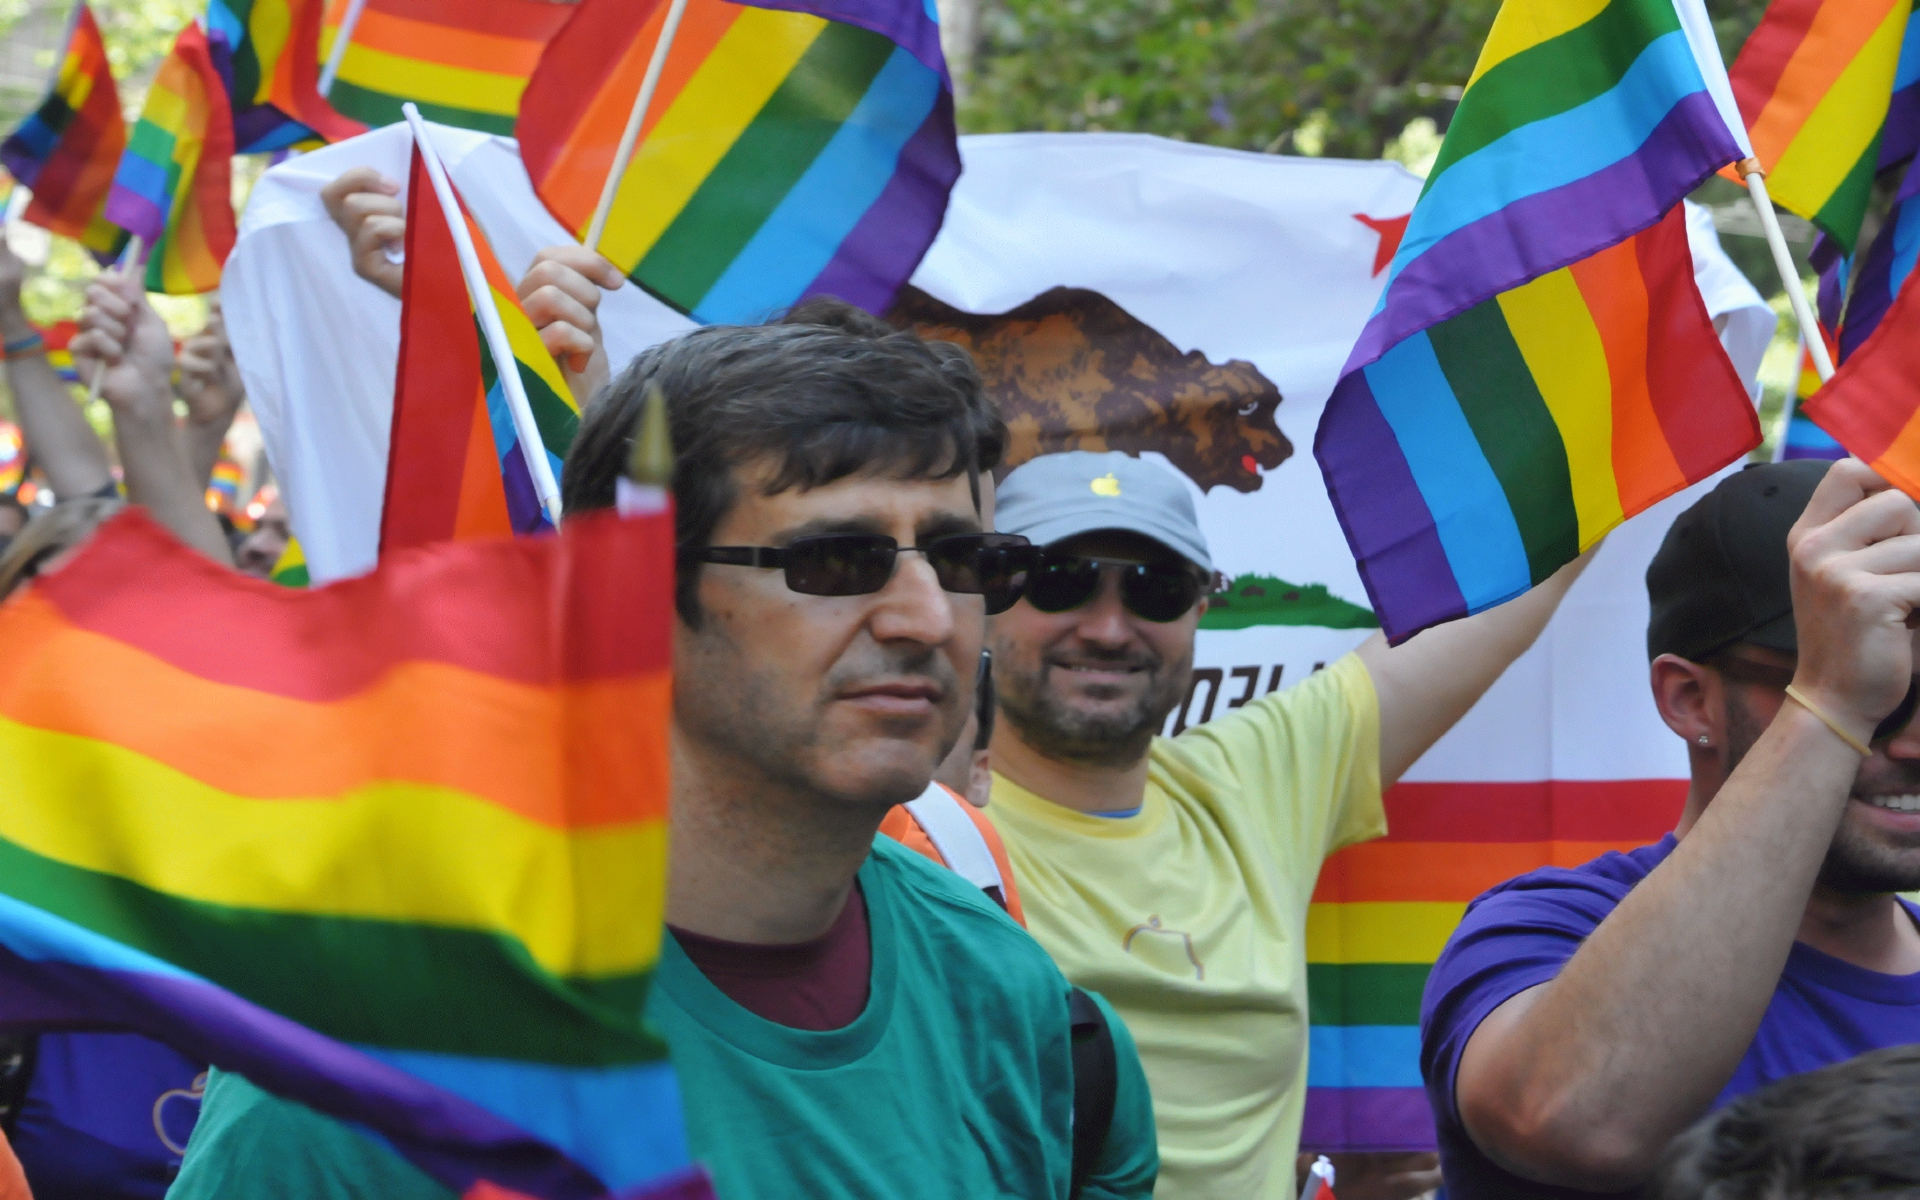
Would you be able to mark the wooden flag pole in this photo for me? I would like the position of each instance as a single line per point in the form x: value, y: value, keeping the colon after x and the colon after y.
x: 532, y: 447
x: 129, y: 263
x: 630, y: 136
x: 335, y: 56
x: 1749, y: 170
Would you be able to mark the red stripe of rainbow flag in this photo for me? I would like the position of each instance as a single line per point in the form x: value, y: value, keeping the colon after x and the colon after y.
x: 68, y: 148
x: 1813, y: 82
x: 174, y: 186
x: 1382, y: 912
x: 442, y: 794
x: 463, y: 62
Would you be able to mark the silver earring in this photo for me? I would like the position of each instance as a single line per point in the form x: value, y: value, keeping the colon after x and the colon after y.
x: 1703, y: 739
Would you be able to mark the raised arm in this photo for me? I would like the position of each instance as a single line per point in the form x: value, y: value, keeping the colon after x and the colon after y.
x: 1428, y: 683
x: 1583, y: 1080
x: 58, y: 436
x: 120, y: 329
x: 210, y: 384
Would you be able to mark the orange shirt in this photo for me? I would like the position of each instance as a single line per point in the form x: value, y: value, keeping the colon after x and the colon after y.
x: 13, y: 1181
x: 901, y: 827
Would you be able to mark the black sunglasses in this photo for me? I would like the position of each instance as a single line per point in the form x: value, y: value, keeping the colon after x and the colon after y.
x: 1745, y: 670
x: 992, y: 565
x: 1151, y: 591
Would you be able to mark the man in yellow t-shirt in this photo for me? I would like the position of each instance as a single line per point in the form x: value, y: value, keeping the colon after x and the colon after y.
x: 1173, y: 874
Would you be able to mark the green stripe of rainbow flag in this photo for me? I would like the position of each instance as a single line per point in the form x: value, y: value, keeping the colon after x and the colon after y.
x: 1383, y: 910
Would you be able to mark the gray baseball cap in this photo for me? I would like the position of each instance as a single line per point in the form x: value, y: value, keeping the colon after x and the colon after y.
x: 1064, y: 495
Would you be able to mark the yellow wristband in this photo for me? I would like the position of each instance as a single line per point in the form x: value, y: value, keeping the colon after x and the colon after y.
x: 1859, y: 746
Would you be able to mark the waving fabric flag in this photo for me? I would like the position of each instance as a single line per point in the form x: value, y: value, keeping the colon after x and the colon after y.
x: 785, y: 154
x: 1883, y: 269
x: 457, y: 468
x: 174, y: 188
x: 1814, y: 82
x: 432, y: 907
x: 274, y: 70
x: 1484, y: 433
x: 67, y: 150
x: 59, y: 337
x: 1900, y: 138
x: 464, y: 62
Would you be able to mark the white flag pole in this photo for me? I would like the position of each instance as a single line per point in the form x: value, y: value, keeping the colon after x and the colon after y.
x: 630, y: 136
x: 341, y: 40
x: 1713, y: 70
x: 532, y: 448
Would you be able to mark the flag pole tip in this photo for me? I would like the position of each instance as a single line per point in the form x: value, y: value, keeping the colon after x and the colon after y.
x: 652, y: 458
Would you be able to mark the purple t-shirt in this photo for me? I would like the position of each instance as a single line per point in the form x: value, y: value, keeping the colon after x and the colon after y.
x: 1521, y: 933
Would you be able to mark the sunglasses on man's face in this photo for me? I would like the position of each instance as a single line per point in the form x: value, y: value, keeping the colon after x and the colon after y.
x: 991, y: 565
x: 1745, y: 670
x: 1151, y: 591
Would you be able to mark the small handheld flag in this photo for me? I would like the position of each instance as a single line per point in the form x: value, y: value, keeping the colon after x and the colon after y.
x: 1502, y: 409
x: 482, y: 417
x: 272, y: 55
x: 68, y: 148
x: 788, y: 151
x: 174, y: 186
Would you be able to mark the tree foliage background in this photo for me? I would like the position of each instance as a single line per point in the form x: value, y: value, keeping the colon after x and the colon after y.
x: 1336, y: 77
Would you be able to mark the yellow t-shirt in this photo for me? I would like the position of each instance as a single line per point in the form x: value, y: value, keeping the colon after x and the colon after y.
x: 1191, y: 916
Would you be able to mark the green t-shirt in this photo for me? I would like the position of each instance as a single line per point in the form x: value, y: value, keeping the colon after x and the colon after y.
x: 955, y: 1081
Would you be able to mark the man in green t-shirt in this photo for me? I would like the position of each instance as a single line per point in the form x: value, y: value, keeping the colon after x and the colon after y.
x: 845, y: 1018
x: 1173, y: 874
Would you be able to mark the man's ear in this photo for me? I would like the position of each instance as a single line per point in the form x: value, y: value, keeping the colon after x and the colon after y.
x: 1690, y: 697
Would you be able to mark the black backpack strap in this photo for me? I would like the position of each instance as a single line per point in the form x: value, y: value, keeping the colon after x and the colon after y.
x: 17, y: 1054
x: 1096, y: 1081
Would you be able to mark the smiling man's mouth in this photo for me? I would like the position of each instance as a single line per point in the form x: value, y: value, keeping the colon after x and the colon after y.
x: 1905, y: 803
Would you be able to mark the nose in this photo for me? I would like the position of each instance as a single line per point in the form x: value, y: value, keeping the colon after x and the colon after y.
x: 1905, y: 745
x: 913, y: 607
x: 1103, y: 620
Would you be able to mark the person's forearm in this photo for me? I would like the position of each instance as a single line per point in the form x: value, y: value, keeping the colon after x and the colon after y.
x: 160, y: 480
x: 1592, y: 1074
x: 204, y: 440
x: 1426, y: 684
x: 61, y: 441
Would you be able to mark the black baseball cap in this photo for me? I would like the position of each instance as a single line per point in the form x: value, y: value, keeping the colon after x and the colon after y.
x: 1721, y: 576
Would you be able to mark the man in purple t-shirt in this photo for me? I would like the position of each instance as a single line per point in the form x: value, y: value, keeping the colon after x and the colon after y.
x: 1579, y: 1019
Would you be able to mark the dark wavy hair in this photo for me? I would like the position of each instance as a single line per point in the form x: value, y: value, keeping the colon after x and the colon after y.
x: 826, y: 392
x: 1849, y: 1130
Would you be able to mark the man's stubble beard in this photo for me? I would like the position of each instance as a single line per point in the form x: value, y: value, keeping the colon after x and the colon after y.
x: 1855, y: 865
x: 1052, y: 728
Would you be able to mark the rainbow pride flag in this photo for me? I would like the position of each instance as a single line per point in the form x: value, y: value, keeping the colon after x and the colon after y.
x: 456, y: 466
x: 174, y: 187
x: 273, y: 71
x: 431, y: 907
x: 68, y: 148
x: 1383, y: 910
x: 13, y: 457
x: 1814, y: 83
x: 1502, y: 410
x: 1883, y: 270
x: 1900, y: 136
x: 463, y: 62
x: 791, y: 150
x: 223, y: 485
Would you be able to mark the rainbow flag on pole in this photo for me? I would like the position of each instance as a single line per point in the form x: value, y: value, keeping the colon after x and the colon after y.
x: 1504, y: 409
x: 67, y: 150
x: 457, y: 466
x: 431, y: 907
x: 1883, y: 270
x: 273, y: 71
x: 174, y: 187
x: 463, y: 62
x: 785, y: 154
x: 1814, y: 83
x: 1383, y: 910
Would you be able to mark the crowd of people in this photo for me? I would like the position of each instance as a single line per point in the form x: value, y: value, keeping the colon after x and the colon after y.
x: 948, y: 917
